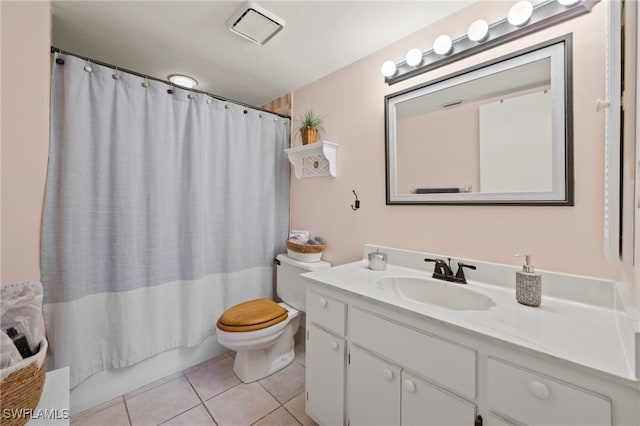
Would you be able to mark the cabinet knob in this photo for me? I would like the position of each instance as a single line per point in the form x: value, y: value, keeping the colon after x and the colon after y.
x: 388, y: 374
x: 539, y: 390
x: 323, y: 301
x: 409, y: 386
x: 335, y: 345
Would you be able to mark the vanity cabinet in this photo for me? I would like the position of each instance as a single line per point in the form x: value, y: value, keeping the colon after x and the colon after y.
x: 378, y: 374
x: 371, y: 364
x: 378, y: 389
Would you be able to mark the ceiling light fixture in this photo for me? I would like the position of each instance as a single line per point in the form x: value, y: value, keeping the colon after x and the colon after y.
x: 522, y: 19
x: 183, y: 81
x: 255, y: 23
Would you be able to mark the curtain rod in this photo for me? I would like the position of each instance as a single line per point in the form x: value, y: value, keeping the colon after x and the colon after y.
x: 220, y: 98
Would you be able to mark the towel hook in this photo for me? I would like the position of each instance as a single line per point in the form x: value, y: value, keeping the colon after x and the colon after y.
x: 357, y: 203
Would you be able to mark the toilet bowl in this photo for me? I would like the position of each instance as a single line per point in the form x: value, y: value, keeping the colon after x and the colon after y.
x: 262, y: 352
x: 262, y: 332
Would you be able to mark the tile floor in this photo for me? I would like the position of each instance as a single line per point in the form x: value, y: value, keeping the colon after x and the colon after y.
x: 209, y: 394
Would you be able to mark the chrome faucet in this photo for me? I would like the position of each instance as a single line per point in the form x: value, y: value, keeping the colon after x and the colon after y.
x: 442, y: 270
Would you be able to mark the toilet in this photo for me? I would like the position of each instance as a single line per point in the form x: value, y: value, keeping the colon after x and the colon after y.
x: 261, y: 331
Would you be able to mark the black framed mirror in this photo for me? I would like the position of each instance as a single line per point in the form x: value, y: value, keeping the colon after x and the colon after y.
x: 499, y: 133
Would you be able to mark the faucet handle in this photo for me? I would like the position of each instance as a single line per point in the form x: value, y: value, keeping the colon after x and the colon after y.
x: 460, y: 273
x: 439, y: 267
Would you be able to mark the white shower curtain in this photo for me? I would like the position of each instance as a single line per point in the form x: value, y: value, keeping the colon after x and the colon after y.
x: 161, y: 210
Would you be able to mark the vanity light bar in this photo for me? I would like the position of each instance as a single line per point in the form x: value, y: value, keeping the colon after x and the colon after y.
x: 541, y: 16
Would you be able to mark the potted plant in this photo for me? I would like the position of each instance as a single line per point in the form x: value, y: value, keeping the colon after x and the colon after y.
x: 310, y: 126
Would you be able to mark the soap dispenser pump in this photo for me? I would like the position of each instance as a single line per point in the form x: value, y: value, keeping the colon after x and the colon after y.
x: 528, y: 284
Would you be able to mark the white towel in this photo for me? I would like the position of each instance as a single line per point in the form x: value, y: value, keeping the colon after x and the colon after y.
x: 21, y: 308
x: 9, y: 354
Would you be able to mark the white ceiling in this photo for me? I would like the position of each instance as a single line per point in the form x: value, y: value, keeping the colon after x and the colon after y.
x: 191, y: 37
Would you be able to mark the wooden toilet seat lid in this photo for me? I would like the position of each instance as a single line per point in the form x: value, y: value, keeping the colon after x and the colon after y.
x: 252, y: 315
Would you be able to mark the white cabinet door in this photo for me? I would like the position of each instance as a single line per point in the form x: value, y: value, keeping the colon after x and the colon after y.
x: 373, y: 393
x: 424, y: 404
x: 325, y: 370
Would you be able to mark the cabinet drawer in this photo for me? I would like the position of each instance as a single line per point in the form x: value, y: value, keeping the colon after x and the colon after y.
x: 444, y: 362
x: 532, y: 398
x: 326, y: 312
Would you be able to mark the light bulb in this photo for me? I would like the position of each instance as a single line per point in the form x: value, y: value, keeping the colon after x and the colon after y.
x: 413, y: 58
x: 443, y: 45
x: 478, y: 30
x: 388, y: 69
x: 520, y: 13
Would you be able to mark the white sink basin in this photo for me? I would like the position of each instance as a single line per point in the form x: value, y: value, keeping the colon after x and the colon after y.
x: 433, y: 292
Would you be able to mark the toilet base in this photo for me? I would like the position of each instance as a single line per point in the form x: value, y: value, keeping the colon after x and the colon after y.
x: 254, y: 365
x: 257, y: 364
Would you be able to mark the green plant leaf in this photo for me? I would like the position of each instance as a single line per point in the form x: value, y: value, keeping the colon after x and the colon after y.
x: 310, y: 119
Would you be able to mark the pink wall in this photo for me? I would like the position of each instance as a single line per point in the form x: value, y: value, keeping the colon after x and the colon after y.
x: 25, y: 41
x: 564, y: 239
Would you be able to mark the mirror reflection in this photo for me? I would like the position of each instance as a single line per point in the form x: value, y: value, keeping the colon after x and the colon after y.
x: 494, y: 134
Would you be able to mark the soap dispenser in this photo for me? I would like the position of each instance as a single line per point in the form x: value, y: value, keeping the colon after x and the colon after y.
x: 528, y: 284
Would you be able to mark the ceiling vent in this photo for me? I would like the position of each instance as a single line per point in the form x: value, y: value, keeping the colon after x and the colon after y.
x: 255, y: 23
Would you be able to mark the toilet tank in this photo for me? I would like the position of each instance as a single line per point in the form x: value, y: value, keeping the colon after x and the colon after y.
x: 290, y: 286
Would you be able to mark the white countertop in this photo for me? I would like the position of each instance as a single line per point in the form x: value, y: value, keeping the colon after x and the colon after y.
x: 576, y: 332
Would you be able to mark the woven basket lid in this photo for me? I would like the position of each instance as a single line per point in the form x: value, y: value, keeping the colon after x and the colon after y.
x: 252, y: 315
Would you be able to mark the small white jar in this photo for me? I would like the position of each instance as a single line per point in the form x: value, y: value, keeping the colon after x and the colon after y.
x: 378, y: 261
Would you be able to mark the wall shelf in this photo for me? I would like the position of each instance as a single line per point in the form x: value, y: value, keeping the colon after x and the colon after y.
x: 314, y: 160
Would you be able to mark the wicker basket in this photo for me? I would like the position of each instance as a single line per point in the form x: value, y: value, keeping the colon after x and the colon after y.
x: 305, y: 252
x: 21, y: 387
